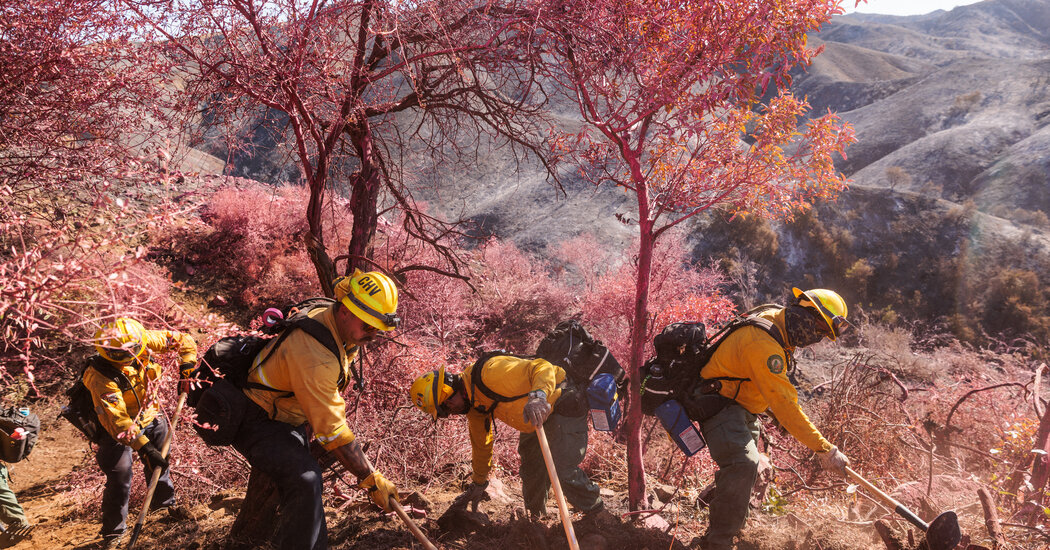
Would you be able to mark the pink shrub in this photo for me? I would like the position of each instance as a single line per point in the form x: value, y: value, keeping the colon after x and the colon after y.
x: 57, y: 284
x: 250, y: 241
x: 680, y: 291
x: 517, y: 300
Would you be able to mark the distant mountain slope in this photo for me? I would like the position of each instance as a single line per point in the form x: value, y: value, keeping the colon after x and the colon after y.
x: 951, y: 110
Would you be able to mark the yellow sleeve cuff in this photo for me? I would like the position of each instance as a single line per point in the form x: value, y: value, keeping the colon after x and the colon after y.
x: 342, y: 437
x: 139, y: 442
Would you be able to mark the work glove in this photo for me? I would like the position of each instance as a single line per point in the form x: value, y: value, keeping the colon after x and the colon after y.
x: 152, y: 458
x: 473, y: 495
x: 186, y: 371
x: 537, y: 409
x: 834, y: 459
x: 380, y: 490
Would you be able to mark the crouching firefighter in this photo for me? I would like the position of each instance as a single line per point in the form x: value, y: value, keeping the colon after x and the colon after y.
x: 300, y: 382
x: 523, y: 393
x: 122, y: 382
x: 747, y: 375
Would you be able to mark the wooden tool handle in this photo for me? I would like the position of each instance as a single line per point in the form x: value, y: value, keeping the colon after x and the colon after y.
x: 411, y: 525
x: 563, y: 508
x: 888, y: 500
x: 156, y: 473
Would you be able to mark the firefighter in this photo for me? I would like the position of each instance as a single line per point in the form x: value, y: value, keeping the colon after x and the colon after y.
x: 747, y: 375
x: 302, y: 382
x: 523, y: 393
x: 128, y: 410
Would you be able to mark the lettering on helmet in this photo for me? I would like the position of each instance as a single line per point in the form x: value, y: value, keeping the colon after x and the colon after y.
x: 369, y: 286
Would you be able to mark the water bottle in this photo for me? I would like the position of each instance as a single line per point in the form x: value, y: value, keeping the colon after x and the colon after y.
x: 681, y: 429
x: 603, y: 403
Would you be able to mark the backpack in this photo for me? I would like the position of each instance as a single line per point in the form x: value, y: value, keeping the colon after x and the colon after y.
x: 583, y: 357
x: 220, y: 401
x: 14, y: 448
x: 80, y: 409
x: 232, y: 358
x: 682, y: 350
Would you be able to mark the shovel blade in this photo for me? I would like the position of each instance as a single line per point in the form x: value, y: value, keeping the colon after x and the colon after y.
x: 944, y: 533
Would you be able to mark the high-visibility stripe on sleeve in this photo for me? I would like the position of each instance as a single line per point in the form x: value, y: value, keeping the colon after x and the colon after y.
x: 341, y: 436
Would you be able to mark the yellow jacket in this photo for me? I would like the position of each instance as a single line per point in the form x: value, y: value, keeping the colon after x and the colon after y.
x: 507, y: 376
x: 124, y: 413
x: 310, y: 381
x: 750, y: 352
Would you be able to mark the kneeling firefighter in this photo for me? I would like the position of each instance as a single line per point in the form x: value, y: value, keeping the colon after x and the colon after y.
x: 302, y: 381
x: 523, y: 393
x: 747, y: 375
x: 121, y: 379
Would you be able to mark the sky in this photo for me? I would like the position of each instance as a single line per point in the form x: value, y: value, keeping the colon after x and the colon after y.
x: 903, y: 7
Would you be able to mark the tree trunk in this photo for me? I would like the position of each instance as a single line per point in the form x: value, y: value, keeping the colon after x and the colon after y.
x: 889, y: 537
x: 1041, y: 466
x: 635, y: 463
x: 315, y: 246
x: 364, y: 197
x: 256, y: 522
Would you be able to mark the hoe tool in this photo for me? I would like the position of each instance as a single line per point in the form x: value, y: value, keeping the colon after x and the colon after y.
x: 156, y: 473
x: 563, y: 508
x: 941, y: 534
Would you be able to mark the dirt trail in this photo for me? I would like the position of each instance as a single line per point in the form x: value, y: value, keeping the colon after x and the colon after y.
x: 65, y: 512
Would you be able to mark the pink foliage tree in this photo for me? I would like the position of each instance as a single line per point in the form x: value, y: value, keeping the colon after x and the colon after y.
x: 336, y: 78
x: 71, y: 86
x: 668, y: 94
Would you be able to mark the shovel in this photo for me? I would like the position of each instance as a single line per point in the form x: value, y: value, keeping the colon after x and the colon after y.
x: 941, y: 534
x: 563, y: 508
x: 156, y: 473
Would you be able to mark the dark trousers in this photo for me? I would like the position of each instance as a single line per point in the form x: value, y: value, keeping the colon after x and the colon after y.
x: 732, y: 437
x: 115, y: 459
x: 567, y: 438
x: 11, y: 513
x: 282, y: 452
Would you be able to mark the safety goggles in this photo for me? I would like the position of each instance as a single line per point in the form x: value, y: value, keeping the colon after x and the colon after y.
x: 389, y: 319
x: 839, y: 324
x: 125, y: 353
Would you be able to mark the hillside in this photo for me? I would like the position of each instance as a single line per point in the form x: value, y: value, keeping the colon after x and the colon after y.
x: 949, y: 108
x: 195, y: 182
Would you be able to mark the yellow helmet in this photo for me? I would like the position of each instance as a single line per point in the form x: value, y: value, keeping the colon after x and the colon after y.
x: 829, y: 304
x: 428, y: 394
x: 371, y: 296
x: 121, y: 340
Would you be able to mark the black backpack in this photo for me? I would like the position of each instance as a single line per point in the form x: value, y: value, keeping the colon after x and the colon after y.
x: 682, y: 350
x: 80, y: 409
x: 219, y: 400
x: 15, y: 448
x: 231, y: 358
x: 583, y: 357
